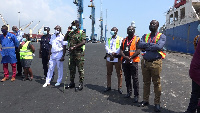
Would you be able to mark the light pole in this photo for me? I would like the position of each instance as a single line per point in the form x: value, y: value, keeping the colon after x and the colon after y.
x: 19, y: 19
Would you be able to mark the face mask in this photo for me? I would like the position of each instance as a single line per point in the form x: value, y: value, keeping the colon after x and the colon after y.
x: 3, y: 31
x: 112, y: 33
x: 45, y: 32
x: 57, y: 32
x: 23, y: 39
x: 130, y: 32
x: 74, y: 27
x: 14, y: 32
x: 152, y: 28
x: 198, y: 28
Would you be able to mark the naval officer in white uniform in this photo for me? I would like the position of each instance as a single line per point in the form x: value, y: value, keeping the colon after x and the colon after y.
x: 56, y: 56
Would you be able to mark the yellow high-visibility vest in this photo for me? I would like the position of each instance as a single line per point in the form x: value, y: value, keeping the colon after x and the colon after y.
x: 25, y: 53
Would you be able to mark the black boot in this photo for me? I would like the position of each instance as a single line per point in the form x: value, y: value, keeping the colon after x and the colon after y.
x: 128, y: 95
x: 71, y: 85
x: 135, y: 99
x: 157, y: 108
x: 80, y: 87
x: 107, y: 89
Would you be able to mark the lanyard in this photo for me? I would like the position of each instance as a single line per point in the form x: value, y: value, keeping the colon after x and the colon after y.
x: 128, y: 43
x: 154, y: 38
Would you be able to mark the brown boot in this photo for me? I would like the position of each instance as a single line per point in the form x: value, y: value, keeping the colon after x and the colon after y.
x: 4, y: 79
x: 13, y: 79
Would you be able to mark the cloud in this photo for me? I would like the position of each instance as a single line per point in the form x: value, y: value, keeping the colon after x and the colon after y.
x: 48, y: 12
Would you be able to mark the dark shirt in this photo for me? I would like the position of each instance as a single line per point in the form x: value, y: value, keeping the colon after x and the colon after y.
x: 45, y: 46
x: 126, y: 53
x: 151, y: 47
x: 195, y: 66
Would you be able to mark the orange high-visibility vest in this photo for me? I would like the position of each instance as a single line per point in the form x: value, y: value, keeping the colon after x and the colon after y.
x: 132, y: 48
x: 157, y: 38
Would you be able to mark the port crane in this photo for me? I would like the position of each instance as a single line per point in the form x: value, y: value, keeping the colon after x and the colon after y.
x: 79, y: 4
x: 26, y: 26
x: 39, y: 31
x: 101, y: 24
x: 106, y: 29
x: 92, y: 17
x: 5, y: 22
x: 31, y: 31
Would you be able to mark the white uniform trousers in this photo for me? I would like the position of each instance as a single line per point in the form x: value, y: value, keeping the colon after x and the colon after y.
x: 55, y: 60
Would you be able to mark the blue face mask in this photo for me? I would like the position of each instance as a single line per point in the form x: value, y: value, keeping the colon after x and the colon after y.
x: 14, y: 32
x: 3, y: 31
x: 198, y: 28
x: 74, y: 27
x: 45, y: 32
x: 112, y: 33
x: 23, y: 39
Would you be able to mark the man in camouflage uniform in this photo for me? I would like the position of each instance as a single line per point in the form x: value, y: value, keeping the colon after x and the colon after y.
x: 76, y: 41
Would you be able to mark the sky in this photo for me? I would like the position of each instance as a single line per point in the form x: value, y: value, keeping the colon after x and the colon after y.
x: 120, y: 14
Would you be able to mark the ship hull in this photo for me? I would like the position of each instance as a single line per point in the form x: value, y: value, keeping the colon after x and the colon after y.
x: 180, y: 38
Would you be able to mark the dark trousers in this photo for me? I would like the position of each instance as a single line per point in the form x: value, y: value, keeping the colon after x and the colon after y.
x: 19, y: 67
x: 195, y: 95
x: 131, y: 70
x: 45, y: 61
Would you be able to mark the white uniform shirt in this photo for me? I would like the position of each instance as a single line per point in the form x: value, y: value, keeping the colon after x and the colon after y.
x: 112, y: 48
x: 57, y: 43
x: 19, y: 35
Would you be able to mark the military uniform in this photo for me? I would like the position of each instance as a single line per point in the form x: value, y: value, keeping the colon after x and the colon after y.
x: 77, y: 55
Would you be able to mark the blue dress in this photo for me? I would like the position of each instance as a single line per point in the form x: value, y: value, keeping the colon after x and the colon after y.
x: 8, y: 48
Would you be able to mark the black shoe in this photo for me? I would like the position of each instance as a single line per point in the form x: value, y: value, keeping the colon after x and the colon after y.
x: 143, y: 103
x: 25, y: 78
x: 71, y: 85
x: 107, y: 89
x: 135, y: 99
x: 80, y: 87
x: 19, y: 74
x: 128, y: 95
x: 157, y: 108
x: 120, y: 91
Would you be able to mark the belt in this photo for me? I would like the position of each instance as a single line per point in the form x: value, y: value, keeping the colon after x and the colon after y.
x: 7, y: 47
x: 117, y: 56
x: 151, y: 60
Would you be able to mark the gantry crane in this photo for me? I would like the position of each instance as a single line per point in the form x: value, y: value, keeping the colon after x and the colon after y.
x: 5, y: 22
x: 31, y: 31
x: 26, y: 26
x: 106, y: 29
x: 101, y: 24
x: 39, y: 30
x: 92, y: 17
x: 79, y: 4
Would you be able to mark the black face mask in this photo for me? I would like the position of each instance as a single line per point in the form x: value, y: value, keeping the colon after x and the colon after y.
x: 130, y: 33
x: 4, y: 31
x: 152, y: 28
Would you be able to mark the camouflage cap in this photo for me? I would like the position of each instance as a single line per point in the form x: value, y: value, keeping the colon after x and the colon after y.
x: 75, y: 22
